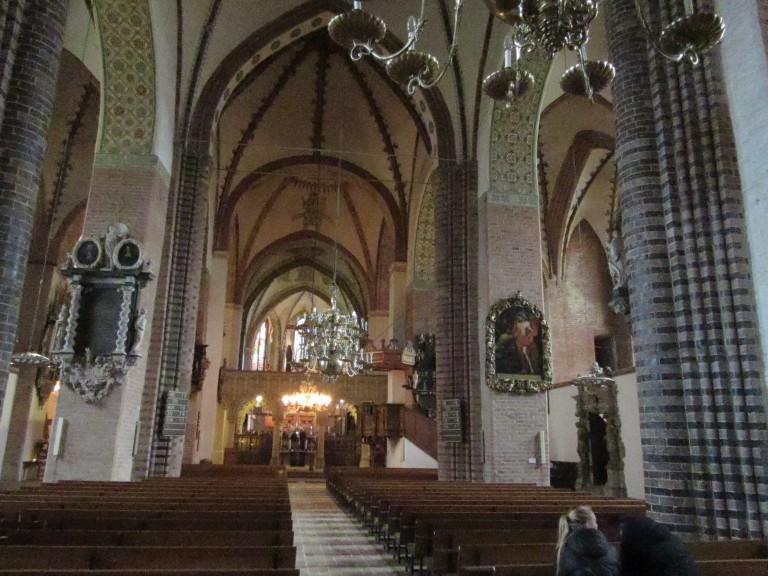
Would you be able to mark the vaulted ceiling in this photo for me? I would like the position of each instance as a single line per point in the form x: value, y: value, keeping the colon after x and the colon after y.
x: 322, y: 163
x: 319, y: 162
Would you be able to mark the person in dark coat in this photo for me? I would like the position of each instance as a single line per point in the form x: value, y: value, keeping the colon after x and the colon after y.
x: 582, y: 550
x: 650, y: 549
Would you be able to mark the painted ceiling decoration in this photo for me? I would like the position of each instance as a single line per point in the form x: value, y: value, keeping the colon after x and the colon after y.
x: 286, y: 116
x: 129, y: 87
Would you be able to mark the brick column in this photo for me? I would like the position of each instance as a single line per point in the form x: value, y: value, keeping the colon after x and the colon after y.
x: 511, y: 262
x: 32, y: 38
x: 10, y: 26
x: 458, y: 373
x: 185, y: 264
x: 696, y: 345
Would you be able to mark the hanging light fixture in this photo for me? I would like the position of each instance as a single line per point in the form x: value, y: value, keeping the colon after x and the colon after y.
x: 32, y: 357
x: 333, y: 340
x: 307, y: 398
x: 687, y: 37
x: 360, y: 33
x: 553, y: 25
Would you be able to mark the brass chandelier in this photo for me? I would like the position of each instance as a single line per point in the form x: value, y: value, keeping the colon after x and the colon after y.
x: 307, y: 398
x: 333, y: 340
x: 552, y: 25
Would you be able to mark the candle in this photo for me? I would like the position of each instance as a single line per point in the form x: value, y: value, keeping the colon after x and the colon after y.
x: 688, y: 7
x: 508, y: 44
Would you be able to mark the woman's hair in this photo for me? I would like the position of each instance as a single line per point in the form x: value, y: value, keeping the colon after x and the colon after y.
x: 576, y: 518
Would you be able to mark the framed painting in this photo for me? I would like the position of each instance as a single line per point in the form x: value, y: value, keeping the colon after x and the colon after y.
x: 518, y: 348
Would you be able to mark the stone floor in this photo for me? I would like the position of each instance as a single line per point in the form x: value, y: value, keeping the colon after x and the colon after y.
x: 328, y: 541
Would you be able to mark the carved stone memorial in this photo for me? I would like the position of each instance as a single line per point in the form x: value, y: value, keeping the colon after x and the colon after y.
x: 98, y: 333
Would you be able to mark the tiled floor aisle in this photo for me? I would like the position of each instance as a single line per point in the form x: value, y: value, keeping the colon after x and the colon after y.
x: 329, y: 542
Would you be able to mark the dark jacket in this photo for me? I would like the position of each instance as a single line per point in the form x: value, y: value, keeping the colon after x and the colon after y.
x: 650, y: 549
x: 587, y: 552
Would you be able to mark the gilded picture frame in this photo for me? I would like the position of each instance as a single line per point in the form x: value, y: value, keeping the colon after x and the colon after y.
x: 518, y: 348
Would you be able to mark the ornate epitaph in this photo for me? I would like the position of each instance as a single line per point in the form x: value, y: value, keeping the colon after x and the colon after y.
x: 99, y: 332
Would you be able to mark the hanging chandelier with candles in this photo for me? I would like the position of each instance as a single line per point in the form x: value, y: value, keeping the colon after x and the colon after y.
x: 552, y: 25
x: 333, y: 340
x: 307, y: 398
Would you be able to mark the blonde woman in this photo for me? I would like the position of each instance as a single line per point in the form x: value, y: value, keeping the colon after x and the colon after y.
x: 582, y: 549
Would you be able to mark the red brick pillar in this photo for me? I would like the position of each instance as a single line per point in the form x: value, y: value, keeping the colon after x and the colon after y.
x: 30, y: 50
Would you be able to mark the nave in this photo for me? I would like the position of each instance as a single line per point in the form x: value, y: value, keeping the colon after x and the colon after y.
x: 258, y: 521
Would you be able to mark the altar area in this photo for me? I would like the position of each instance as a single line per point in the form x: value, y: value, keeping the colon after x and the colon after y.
x: 259, y: 429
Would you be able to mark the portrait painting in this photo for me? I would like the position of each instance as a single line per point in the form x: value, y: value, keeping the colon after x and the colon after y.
x: 518, y: 357
x: 87, y: 253
x: 127, y: 254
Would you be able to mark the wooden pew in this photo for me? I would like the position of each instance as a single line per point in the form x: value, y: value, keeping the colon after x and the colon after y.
x: 446, y: 542
x: 480, y: 555
x: 145, y: 538
x: 219, y: 471
x: 158, y: 572
x: 189, y: 516
x: 386, y: 511
x: 214, y: 523
x: 417, y: 536
x: 282, y: 522
x: 735, y: 567
x: 145, y: 557
x: 10, y: 508
x: 506, y: 554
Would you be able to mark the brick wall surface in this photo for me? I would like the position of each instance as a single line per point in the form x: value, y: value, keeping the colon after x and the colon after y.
x: 106, y: 431
x: 420, y: 310
x: 513, y: 264
x: 703, y: 434
x: 578, y: 312
x: 32, y: 39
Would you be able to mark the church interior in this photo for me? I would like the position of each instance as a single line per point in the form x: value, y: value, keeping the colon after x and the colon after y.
x: 237, y: 237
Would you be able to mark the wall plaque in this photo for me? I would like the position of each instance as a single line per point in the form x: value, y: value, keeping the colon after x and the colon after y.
x: 174, y: 416
x: 451, y: 428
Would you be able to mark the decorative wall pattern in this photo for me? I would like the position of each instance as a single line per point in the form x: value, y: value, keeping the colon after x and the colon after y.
x: 424, y: 247
x: 513, y: 145
x: 129, y: 76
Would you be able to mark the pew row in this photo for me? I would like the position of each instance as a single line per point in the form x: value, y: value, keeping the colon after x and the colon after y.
x: 283, y: 522
x: 181, y: 538
x: 735, y: 567
x: 158, y: 572
x: 145, y: 557
x: 480, y: 556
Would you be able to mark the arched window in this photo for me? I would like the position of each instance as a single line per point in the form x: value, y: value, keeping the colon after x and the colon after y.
x: 259, y: 356
x: 298, y: 341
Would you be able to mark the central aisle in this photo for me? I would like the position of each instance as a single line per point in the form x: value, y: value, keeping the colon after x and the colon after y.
x: 328, y: 541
